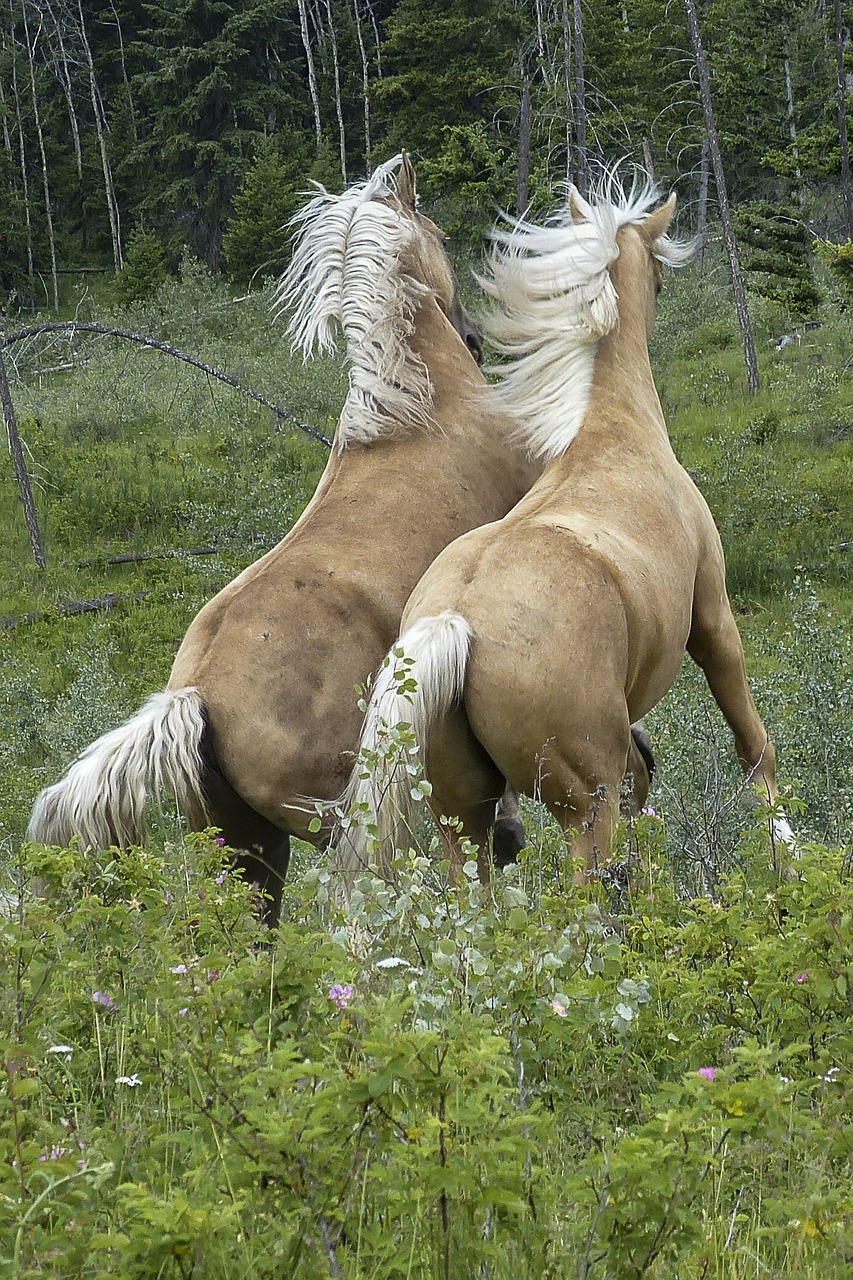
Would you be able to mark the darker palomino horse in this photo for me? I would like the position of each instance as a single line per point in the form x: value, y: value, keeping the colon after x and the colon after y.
x: 260, y: 709
x: 536, y: 641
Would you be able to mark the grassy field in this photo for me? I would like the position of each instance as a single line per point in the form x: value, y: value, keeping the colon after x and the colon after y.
x: 434, y: 1083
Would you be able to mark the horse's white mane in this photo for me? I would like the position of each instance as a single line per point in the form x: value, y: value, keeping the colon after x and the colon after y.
x: 555, y: 300
x: 348, y: 271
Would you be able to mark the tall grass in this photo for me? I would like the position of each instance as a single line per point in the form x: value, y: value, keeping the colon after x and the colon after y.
x: 437, y: 1083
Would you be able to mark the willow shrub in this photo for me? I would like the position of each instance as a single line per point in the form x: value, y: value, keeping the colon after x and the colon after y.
x: 433, y: 1083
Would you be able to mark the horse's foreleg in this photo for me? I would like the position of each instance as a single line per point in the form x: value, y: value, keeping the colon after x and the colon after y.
x: 470, y: 825
x: 509, y: 837
x: 640, y: 769
x: 718, y: 651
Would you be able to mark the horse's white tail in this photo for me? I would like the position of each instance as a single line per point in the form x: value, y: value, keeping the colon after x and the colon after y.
x: 103, y: 796
x: 421, y: 678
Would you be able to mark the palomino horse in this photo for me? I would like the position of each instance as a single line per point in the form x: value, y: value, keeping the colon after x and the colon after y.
x: 534, y: 643
x: 260, y: 709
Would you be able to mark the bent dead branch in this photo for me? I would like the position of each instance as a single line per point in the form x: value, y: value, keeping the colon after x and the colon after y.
x: 71, y: 328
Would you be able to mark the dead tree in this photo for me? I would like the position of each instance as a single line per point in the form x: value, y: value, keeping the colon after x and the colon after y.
x: 841, y: 104
x: 723, y: 198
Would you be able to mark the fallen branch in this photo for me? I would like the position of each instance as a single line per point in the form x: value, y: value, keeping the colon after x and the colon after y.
x: 133, y: 557
x: 71, y: 327
x: 109, y: 601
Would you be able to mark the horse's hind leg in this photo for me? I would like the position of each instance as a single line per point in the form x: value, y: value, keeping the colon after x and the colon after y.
x: 263, y: 850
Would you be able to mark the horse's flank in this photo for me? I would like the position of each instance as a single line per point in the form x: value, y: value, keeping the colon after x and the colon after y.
x: 577, y: 607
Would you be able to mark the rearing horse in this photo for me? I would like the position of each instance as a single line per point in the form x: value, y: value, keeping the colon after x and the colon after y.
x: 260, y: 709
x: 536, y: 641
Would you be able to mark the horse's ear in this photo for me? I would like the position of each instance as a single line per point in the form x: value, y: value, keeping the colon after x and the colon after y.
x: 406, y: 188
x: 657, y: 223
x: 579, y: 208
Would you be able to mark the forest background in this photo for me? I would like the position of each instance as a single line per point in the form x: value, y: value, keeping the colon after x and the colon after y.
x: 135, y: 130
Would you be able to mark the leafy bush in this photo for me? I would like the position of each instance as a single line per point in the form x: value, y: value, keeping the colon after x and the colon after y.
x: 436, y: 1082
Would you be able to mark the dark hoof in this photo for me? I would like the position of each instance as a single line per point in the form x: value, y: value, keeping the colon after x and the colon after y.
x: 508, y: 841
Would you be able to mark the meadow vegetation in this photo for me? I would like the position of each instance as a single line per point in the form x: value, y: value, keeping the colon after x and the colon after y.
x: 650, y: 1077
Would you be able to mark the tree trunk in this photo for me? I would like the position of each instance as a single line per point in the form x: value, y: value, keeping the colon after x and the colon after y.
x: 580, y: 103
x: 723, y: 199
x: 792, y: 127
x: 312, y: 74
x: 841, y: 89
x: 7, y: 137
x: 376, y: 38
x: 100, y: 129
x: 30, y: 513
x: 648, y: 158
x: 567, y: 77
x: 365, y: 87
x: 63, y: 75
x: 702, y: 212
x: 22, y: 156
x: 48, y: 210
x: 525, y: 126
x: 124, y: 74
x: 337, y: 77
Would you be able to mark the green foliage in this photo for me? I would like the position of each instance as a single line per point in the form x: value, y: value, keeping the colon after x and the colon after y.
x: 144, y: 268
x: 839, y: 259
x: 434, y: 1082
x: 257, y: 237
x: 776, y: 244
x: 475, y: 175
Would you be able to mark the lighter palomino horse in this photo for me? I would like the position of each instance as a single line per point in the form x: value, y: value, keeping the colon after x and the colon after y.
x: 260, y: 709
x: 536, y: 641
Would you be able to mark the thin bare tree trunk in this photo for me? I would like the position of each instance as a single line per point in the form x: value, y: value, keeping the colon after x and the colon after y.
x: 22, y: 156
x: 21, y: 475
x: 792, y: 127
x: 580, y: 102
x: 376, y: 38
x: 124, y: 74
x: 100, y: 129
x: 702, y: 212
x: 312, y: 73
x: 648, y: 158
x: 365, y: 87
x: 525, y: 128
x: 7, y: 138
x: 567, y: 77
x: 723, y: 199
x: 841, y: 102
x: 64, y: 77
x: 337, y: 78
x: 31, y: 56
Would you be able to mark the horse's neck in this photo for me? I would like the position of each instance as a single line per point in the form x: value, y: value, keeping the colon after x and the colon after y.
x: 462, y: 410
x: 623, y: 385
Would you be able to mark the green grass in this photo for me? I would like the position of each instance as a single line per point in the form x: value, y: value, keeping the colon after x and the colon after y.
x: 517, y: 1091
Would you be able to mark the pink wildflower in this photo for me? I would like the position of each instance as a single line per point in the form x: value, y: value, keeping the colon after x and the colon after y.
x: 802, y: 977
x: 101, y: 998
x: 709, y: 1073
x: 340, y: 995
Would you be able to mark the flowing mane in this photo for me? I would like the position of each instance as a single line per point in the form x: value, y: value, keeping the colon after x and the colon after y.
x: 554, y: 301
x: 349, y: 271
